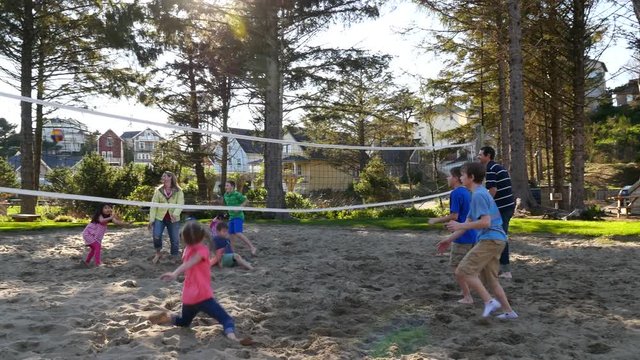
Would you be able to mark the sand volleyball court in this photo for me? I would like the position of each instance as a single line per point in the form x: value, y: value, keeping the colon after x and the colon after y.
x: 318, y: 293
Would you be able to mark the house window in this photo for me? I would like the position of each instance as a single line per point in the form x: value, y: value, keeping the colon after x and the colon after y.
x: 299, y: 170
x: 140, y: 145
x: 109, y: 141
x: 239, y: 162
x: 286, y: 148
x: 109, y: 154
x: 139, y: 156
x: 104, y: 154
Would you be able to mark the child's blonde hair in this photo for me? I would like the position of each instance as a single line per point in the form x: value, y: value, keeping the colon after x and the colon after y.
x: 193, y: 233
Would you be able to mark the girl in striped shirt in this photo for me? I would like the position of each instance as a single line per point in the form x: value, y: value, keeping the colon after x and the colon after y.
x: 94, y: 232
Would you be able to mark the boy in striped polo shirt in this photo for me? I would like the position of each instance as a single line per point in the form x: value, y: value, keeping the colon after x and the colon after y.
x: 498, y: 183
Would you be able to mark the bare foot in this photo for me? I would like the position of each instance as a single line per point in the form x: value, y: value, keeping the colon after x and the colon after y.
x: 160, y: 318
x: 505, y: 275
x: 466, y: 300
x: 156, y: 258
x: 254, y: 250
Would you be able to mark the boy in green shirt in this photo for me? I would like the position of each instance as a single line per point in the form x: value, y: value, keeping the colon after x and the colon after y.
x: 232, y: 197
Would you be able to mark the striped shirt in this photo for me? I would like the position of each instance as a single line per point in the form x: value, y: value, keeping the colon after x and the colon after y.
x: 498, y: 177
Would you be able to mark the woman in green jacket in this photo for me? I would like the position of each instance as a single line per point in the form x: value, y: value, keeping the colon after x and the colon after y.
x: 160, y: 217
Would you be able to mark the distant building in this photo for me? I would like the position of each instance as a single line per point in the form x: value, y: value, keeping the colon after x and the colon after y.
x: 69, y: 135
x: 444, y: 118
x: 142, y: 144
x: 628, y: 94
x: 47, y: 163
x: 596, y: 84
x: 111, y: 148
x: 244, y: 156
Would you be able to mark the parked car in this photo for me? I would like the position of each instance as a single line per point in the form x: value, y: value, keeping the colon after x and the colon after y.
x: 624, y: 191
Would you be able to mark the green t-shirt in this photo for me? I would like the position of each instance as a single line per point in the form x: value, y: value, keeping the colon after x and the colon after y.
x: 234, y: 198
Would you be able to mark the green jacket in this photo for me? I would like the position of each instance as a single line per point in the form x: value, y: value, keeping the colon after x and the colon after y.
x: 157, y: 213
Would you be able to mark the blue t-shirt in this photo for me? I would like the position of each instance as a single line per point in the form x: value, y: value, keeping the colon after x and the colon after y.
x: 222, y: 243
x: 483, y: 204
x: 459, y: 203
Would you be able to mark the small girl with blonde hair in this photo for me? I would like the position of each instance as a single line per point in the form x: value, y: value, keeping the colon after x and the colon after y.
x: 197, y: 294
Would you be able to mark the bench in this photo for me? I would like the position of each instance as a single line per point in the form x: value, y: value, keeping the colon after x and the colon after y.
x: 25, y: 217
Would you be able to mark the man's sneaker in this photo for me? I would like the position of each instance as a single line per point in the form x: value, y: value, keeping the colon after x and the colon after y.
x: 490, y: 307
x: 508, y: 316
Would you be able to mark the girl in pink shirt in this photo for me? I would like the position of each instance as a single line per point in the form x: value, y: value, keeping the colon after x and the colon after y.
x: 94, y: 232
x: 197, y: 294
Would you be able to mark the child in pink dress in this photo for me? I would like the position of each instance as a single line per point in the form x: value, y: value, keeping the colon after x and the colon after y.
x: 197, y: 294
x: 94, y: 232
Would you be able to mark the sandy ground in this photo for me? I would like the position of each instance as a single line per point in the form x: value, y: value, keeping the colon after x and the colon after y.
x: 317, y: 292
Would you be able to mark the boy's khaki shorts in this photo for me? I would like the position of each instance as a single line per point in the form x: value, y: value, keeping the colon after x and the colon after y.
x: 483, y: 260
x: 458, y: 252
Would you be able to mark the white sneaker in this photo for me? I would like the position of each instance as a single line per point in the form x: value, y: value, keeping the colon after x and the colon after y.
x: 508, y: 316
x: 490, y: 307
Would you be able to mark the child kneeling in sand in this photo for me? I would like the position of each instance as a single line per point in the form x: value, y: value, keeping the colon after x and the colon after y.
x: 197, y: 294
x: 482, y: 259
x: 223, y: 253
x: 461, y: 243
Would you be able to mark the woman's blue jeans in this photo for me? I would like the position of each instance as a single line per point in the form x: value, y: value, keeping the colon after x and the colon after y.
x: 173, y: 228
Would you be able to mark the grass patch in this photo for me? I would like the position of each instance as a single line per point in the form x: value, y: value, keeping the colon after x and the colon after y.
x: 400, y: 342
x: 38, y: 225
x: 516, y: 226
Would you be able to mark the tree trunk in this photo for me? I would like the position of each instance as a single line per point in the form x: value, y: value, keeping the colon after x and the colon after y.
x: 578, y: 38
x: 273, y: 113
x: 504, y: 97
x: 362, y: 163
x: 28, y: 204
x: 225, y: 85
x: 196, y: 137
x: 37, y: 138
x: 519, y: 180
x: 557, y: 137
x: 636, y: 9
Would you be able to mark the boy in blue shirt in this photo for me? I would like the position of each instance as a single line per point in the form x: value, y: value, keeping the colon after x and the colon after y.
x: 459, y: 203
x: 482, y: 260
x: 223, y: 254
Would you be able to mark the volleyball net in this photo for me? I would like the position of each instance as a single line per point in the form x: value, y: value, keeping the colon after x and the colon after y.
x: 317, y: 176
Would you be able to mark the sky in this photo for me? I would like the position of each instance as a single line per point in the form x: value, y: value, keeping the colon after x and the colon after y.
x: 378, y: 35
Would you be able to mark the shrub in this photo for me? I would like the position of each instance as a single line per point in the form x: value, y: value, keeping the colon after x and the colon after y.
x: 135, y: 213
x: 375, y: 185
x: 294, y: 200
x: 257, y: 195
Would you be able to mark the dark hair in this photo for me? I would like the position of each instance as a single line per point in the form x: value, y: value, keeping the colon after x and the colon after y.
x: 455, y: 172
x: 488, y: 150
x: 475, y: 170
x: 193, y: 233
x: 96, y: 216
x: 222, y: 226
x: 232, y: 183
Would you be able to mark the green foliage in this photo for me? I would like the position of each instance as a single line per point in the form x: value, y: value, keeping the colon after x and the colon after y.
x: 617, y: 137
x: 257, y: 194
x: 296, y: 201
x: 61, y: 181
x: 375, y: 185
x: 591, y: 213
x: 126, y: 179
x: 7, y: 175
x: 9, y: 139
x: 94, y: 177
x: 50, y: 212
x: 140, y: 193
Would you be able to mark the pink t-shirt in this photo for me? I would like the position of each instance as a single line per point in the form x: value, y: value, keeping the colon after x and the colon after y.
x: 197, y: 279
x: 94, y: 232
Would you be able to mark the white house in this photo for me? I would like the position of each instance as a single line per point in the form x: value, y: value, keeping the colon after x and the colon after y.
x: 596, y: 85
x: 244, y: 156
x: 445, y: 118
x: 69, y: 134
x: 142, y: 143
